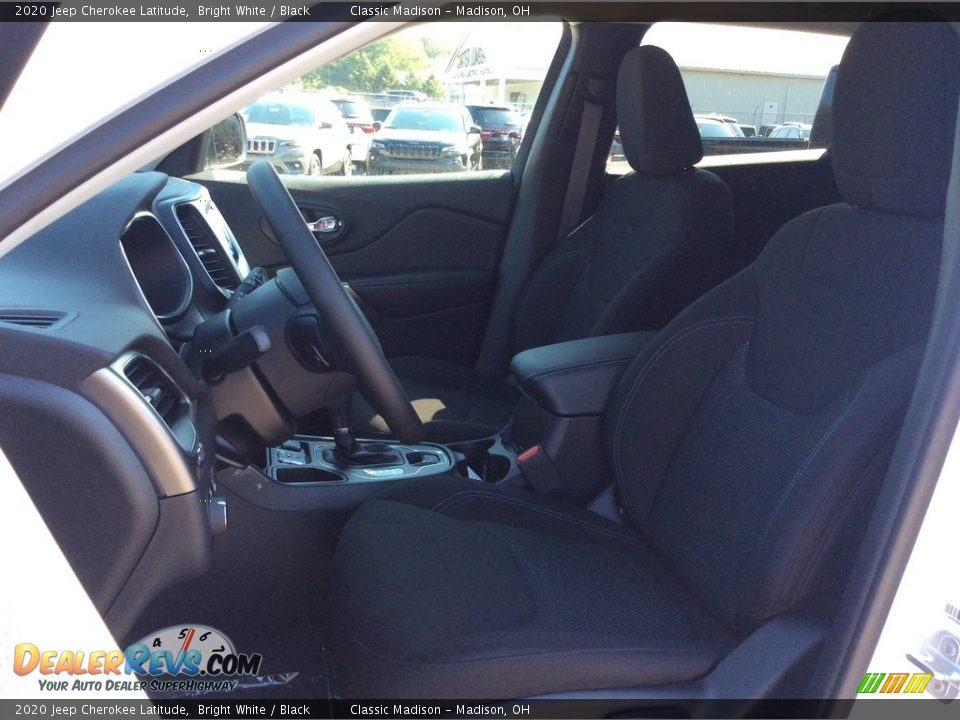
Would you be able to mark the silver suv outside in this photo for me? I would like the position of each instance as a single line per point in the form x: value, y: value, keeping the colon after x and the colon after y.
x: 298, y: 134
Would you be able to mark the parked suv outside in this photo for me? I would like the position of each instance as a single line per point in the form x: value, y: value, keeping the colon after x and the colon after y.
x: 406, y: 95
x: 791, y: 131
x: 298, y: 135
x: 501, y: 131
x: 356, y: 113
x: 426, y: 138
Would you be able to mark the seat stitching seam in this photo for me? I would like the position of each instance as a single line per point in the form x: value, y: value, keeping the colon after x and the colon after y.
x: 806, y: 464
x: 491, y: 496
x: 484, y: 495
x: 536, y: 278
x: 645, y: 371
x: 549, y: 263
x: 648, y: 260
x: 864, y: 477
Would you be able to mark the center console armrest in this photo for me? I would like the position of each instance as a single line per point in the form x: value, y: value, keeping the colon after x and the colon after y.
x: 576, y: 377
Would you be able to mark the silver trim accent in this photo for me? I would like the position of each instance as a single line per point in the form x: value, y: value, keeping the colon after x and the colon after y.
x: 261, y: 145
x: 220, y: 231
x: 182, y: 266
x: 217, y: 514
x: 325, y: 224
x: 446, y: 462
x: 153, y: 441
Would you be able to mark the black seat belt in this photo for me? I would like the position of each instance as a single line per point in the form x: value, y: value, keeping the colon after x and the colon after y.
x: 580, y: 169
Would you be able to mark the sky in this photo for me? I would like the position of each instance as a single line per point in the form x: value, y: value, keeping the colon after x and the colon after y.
x: 747, y: 48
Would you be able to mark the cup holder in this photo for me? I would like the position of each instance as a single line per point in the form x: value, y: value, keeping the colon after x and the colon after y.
x: 483, y: 459
x: 305, y: 474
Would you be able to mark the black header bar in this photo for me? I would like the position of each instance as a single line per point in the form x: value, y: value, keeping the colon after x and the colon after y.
x: 439, y: 10
x: 276, y: 709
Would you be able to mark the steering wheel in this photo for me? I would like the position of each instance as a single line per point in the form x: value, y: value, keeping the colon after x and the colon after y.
x: 359, y: 345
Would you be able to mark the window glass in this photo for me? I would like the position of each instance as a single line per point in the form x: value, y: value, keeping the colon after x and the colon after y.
x: 89, y: 70
x: 426, y: 118
x: 279, y: 112
x: 407, y: 102
x: 752, y: 89
x: 715, y: 129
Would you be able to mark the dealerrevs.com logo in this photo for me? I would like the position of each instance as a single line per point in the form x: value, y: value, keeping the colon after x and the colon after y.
x: 186, y: 658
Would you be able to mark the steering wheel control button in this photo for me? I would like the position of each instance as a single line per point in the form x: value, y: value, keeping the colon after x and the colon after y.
x: 303, y: 335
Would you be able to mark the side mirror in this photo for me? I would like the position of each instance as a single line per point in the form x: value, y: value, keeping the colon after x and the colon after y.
x: 377, y: 125
x: 226, y: 143
x: 475, y: 129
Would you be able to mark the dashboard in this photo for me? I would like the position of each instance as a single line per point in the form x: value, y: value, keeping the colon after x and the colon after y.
x: 94, y: 312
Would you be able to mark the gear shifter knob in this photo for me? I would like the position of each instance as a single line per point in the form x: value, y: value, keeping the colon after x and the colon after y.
x: 348, y: 451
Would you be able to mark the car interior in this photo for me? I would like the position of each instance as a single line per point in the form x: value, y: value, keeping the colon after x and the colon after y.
x: 537, y: 432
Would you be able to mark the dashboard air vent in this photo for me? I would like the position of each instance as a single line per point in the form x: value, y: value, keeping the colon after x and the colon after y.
x: 207, y: 247
x: 39, y: 319
x: 157, y: 389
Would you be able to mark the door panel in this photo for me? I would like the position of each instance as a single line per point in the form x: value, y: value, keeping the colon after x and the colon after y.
x: 419, y: 252
x: 428, y: 314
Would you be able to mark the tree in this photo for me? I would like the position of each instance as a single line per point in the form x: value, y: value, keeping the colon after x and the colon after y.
x: 377, y: 67
x: 434, y: 49
x: 430, y: 86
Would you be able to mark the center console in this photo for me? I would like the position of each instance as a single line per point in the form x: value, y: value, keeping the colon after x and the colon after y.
x: 566, y: 390
x: 311, y: 473
x: 553, y: 445
x: 307, y: 460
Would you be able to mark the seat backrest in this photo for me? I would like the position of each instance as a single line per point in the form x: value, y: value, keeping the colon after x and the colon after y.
x: 658, y: 236
x: 749, y: 431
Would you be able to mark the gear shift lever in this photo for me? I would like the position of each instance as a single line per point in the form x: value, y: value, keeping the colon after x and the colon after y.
x: 350, y: 453
x: 346, y: 444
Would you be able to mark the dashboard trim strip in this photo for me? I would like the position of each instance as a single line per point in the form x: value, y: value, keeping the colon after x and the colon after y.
x: 150, y: 437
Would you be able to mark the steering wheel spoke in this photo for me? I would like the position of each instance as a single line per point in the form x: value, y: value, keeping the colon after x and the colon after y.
x: 347, y: 325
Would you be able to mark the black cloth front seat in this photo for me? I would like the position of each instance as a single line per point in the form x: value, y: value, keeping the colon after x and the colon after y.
x: 652, y: 246
x: 741, y: 442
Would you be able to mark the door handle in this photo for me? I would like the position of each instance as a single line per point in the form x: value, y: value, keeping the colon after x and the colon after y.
x: 326, y: 225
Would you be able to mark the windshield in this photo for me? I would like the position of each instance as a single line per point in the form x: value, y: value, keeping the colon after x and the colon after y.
x: 488, y: 118
x: 353, y: 110
x: 276, y: 113
x: 110, y: 64
x: 425, y: 119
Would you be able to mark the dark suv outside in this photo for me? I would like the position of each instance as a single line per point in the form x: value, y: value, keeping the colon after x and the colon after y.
x: 425, y: 138
x: 501, y: 131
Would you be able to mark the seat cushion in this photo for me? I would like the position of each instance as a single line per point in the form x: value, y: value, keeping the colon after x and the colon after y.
x: 452, y: 588
x: 453, y: 401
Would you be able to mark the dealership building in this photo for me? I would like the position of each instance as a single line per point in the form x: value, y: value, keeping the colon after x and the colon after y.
x: 512, y: 73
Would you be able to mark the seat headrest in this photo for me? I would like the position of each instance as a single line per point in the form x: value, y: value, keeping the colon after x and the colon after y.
x: 894, y: 116
x: 657, y: 128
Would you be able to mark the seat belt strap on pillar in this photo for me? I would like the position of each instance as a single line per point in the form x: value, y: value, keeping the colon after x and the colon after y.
x: 580, y: 169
